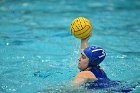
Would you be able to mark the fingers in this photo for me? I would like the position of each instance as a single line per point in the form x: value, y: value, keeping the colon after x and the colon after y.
x: 87, y: 37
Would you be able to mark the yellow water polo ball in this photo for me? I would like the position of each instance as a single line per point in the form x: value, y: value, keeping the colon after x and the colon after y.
x: 81, y: 28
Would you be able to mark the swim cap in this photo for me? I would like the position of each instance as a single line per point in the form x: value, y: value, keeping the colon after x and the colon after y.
x: 95, y: 54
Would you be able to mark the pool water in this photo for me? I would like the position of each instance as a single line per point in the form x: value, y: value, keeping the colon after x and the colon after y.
x: 38, y: 52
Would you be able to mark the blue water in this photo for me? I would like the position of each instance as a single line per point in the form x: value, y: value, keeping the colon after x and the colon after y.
x: 37, y: 50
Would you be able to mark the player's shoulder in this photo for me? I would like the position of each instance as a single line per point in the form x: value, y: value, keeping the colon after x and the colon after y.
x: 86, y: 74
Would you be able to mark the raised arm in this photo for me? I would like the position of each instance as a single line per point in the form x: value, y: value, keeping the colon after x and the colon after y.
x: 84, y: 43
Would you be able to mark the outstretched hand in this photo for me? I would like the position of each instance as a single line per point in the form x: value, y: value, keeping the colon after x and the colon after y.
x: 86, y: 39
x: 84, y: 42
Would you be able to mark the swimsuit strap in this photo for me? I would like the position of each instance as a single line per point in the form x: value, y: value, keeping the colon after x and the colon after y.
x: 99, y: 73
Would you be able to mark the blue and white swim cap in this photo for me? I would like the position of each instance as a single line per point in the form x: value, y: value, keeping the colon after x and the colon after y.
x: 95, y: 54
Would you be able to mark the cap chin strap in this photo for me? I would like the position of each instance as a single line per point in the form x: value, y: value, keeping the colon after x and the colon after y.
x: 86, y: 69
x: 92, y: 65
x: 89, y: 68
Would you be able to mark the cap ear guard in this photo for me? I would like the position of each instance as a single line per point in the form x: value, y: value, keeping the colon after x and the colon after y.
x: 93, y: 63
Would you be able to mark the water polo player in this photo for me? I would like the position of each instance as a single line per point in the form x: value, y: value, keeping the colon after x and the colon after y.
x: 90, y: 57
x: 91, y: 75
x: 88, y: 63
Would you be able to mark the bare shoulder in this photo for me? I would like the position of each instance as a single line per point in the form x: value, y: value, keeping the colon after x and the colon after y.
x: 83, y: 77
x: 86, y: 74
